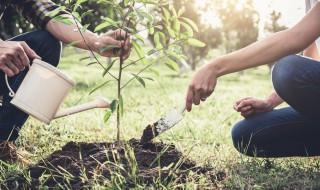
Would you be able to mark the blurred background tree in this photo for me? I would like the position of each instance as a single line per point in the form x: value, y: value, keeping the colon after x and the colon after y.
x: 211, y: 35
x: 273, y: 26
x: 13, y: 24
x: 239, y: 23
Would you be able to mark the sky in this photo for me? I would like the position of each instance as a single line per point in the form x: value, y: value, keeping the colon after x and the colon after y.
x: 292, y: 11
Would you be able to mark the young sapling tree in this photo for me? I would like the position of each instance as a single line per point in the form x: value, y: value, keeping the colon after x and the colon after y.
x: 142, y: 21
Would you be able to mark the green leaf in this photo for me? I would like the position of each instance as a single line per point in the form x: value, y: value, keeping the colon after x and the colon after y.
x: 153, y: 51
x: 85, y: 27
x: 107, y: 115
x: 113, y: 105
x: 86, y: 13
x: 176, y: 25
x: 162, y: 38
x: 79, y: 2
x: 151, y: 30
x: 99, y: 86
x: 139, y: 79
x: 196, y: 43
x: 191, y: 23
x: 138, y: 49
x: 159, y: 40
x: 174, y: 12
x: 172, y: 65
x: 174, y: 56
x: 92, y: 63
x: 146, y: 15
x: 166, y: 13
x: 171, y: 32
x: 108, y: 67
x: 102, y: 26
x: 139, y: 38
x: 148, y: 78
x: 156, y: 39
x: 55, y: 12
x: 181, y: 11
x: 107, y: 23
x: 157, y: 73
x: 121, y: 105
x: 77, y: 16
x: 188, y: 29
x: 63, y: 19
x: 85, y: 58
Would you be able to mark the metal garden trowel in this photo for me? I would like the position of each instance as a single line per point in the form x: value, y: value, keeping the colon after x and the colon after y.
x: 163, y: 124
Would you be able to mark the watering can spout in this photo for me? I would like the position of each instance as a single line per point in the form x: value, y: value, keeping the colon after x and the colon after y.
x: 97, y: 103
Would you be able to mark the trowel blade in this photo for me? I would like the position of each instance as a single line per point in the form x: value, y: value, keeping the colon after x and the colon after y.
x: 164, y: 123
x: 169, y: 120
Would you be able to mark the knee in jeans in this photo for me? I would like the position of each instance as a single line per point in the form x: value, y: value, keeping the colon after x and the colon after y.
x: 242, y: 140
x: 285, y: 74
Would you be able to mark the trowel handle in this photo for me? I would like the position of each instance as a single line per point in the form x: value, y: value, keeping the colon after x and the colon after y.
x: 98, y: 103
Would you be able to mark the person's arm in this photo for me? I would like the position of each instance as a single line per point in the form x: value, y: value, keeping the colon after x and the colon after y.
x: 274, y: 99
x: 269, y: 50
x: 42, y: 14
x: 69, y: 33
x: 312, y: 52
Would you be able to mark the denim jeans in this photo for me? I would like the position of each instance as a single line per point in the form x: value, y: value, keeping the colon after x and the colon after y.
x: 291, y: 131
x: 11, y: 118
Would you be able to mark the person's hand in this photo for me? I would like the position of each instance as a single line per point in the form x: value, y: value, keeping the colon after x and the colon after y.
x: 110, y: 43
x: 15, y: 57
x: 201, y: 86
x: 250, y: 106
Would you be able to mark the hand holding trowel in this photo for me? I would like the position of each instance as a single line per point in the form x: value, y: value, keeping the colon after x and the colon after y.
x: 163, y: 124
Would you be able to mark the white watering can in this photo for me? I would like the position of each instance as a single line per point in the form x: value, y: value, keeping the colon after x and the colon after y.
x: 43, y: 90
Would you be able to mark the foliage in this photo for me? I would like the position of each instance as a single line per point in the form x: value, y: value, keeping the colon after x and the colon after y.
x: 135, y: 17
x: 13, y: 24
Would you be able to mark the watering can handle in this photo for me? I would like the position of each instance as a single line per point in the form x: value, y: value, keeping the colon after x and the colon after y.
x: 11, y: 93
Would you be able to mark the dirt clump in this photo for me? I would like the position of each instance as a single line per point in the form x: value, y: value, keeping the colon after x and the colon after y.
x: 149, y: 133
x: 77, y: 165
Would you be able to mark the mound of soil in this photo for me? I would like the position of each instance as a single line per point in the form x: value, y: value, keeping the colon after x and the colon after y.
x: 79, y: 164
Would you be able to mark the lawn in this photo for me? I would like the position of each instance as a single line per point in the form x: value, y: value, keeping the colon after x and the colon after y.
x: 203, y: 134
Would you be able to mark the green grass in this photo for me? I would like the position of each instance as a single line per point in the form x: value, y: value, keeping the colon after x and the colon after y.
x: 205, y: 132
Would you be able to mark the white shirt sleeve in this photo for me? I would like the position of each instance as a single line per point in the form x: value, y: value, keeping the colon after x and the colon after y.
x: 309, y: 5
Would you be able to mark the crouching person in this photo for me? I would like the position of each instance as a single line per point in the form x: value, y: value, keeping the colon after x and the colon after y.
x: 17, y: 54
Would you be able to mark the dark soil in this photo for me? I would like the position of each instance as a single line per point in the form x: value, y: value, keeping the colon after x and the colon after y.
x: 149, y: 133
x: 101, y: 161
